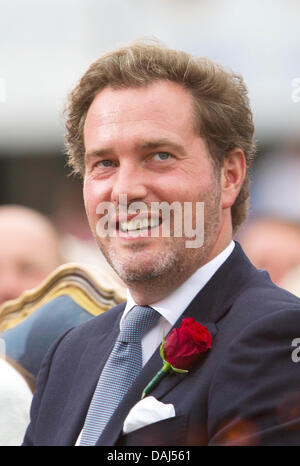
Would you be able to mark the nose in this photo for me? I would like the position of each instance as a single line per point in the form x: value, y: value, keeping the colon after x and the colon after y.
x: 130, y: 180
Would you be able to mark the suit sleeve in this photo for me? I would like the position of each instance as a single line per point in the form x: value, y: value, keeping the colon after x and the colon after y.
x: 255, y: 394
x: 29, y: 439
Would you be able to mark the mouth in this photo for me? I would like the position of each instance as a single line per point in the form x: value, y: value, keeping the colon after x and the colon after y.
x: 138, y: 224
x: 142, y: 225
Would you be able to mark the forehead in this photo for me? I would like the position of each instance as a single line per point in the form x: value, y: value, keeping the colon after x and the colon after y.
x: 162, y: 103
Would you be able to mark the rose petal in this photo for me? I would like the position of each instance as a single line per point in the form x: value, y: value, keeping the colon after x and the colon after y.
x: 184, y: 345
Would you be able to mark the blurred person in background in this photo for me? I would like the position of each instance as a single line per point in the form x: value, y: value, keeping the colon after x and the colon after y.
x: 272, y: 244
x: 15, y: 400
x: 271, y: 238
x: 275, y: 188
x: 29, y: 250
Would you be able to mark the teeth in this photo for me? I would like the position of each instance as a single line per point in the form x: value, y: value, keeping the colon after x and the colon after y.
x: 154, y: 222
x: 139, y: 224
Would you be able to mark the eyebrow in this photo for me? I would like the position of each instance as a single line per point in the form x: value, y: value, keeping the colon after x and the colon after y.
x: 157, y: 143
x: 145, y: 145
x: 99, y: 153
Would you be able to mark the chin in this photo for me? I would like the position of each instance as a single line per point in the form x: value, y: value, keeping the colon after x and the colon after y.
x: 143, y: 267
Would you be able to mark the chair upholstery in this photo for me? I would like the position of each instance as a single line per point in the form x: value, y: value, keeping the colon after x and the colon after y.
x: 71, y: 295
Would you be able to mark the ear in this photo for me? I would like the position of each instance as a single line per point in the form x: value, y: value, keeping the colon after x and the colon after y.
x: 232, y: 176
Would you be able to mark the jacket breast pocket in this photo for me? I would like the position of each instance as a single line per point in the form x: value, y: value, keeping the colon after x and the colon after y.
x: 167, y: 432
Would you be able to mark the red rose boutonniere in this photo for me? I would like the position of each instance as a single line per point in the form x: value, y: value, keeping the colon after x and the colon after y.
x: 181, y: 349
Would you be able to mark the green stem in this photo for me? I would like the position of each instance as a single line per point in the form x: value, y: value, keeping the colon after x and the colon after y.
x: 156, y: 379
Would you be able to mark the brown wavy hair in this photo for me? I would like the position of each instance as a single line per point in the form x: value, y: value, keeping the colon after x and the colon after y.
x: 222, y: 113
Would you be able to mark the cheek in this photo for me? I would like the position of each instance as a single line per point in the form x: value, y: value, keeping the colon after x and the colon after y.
x: 174, y: 187
x: 91, y: 197
x: 189, y: 182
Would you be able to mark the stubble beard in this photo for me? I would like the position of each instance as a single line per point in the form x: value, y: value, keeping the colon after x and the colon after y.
x: 152, y: 267
x: 175, y: 263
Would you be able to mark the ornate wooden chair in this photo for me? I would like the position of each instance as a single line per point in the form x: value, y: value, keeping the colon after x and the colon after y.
x: 71, y: 295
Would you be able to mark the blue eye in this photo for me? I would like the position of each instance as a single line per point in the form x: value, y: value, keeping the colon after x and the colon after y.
x: 161, y: 156
x: 105, y: 163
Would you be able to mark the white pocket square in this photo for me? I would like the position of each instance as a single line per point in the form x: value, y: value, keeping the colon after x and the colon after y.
x: 145, y: 412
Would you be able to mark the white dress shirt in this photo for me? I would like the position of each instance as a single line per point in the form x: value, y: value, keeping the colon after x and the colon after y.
x: 171, y: 307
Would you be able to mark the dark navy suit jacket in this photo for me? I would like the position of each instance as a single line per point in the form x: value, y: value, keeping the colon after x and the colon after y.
x: 244, y: 391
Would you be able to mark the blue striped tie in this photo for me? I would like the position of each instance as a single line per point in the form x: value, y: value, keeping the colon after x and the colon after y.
x: 119, y: 372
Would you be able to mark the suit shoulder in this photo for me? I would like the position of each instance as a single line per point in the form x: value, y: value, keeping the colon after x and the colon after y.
x: 266, y: 297
x: 260, y: 304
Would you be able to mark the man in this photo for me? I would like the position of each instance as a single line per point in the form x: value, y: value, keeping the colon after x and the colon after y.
x: 29, y: 250
x: 148, y: 125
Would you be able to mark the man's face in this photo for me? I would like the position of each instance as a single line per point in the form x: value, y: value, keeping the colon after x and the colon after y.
x: 141, y: 142
x: 28, y: 253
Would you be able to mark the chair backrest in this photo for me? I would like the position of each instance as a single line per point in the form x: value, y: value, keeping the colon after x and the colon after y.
x: 86, y: 286
x: 73, y: 294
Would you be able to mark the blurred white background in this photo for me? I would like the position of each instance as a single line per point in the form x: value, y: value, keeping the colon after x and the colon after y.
x: 46, y: 45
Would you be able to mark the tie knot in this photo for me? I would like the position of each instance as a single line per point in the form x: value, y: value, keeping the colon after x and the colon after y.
x: 138, y: 320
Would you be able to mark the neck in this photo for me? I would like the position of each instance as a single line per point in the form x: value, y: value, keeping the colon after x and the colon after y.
x: 151, y: 291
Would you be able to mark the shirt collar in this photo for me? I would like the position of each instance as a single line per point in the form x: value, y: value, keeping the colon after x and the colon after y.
x: 173, y: 305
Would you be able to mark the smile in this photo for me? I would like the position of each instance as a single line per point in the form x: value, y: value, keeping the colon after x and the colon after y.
x: 137, y: 224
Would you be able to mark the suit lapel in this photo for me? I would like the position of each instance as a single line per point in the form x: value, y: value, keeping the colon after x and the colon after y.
x: 208, y: 307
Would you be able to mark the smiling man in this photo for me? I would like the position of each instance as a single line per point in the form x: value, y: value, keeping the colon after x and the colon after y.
x: 149, y: 126
x: 141, y: 142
